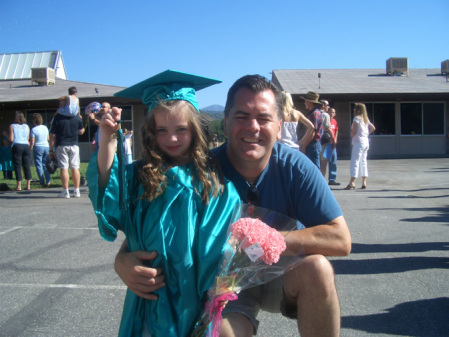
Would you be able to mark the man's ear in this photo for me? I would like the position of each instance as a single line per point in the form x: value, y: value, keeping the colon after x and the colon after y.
x: 279, y: 135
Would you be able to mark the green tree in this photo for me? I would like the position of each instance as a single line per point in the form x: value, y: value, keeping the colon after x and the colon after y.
x: 217, y: 126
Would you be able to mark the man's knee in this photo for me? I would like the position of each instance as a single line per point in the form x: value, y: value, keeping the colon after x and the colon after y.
x: 315, y: 272
x: 236, y: 325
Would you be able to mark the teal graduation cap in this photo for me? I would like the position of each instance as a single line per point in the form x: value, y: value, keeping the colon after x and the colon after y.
x: 168, y: 86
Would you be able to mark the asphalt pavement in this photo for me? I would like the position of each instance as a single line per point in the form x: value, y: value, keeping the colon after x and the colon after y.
x: 57, y: 277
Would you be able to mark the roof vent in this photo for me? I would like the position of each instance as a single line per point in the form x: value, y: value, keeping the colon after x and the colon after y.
x: 397, y: 66
x: 43, y: 75
x: 445, y: 67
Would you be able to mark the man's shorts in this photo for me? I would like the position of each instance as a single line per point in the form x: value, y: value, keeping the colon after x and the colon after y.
x: 68, y: 157
x: 268, y: 297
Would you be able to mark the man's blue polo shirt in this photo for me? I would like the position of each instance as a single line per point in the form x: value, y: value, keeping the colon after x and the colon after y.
x: 290, y: 184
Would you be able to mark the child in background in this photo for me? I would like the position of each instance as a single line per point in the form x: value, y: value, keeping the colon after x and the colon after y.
x: 6, y: 159
x: 69, y: 105
x: 179, y: 206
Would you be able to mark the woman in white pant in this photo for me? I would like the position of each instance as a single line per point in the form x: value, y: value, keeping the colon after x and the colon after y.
x: 361, y: 128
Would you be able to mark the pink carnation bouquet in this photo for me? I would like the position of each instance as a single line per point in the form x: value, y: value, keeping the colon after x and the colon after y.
x: 255, y: 253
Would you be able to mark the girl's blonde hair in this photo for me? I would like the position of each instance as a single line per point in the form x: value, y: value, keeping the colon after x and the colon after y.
x: 360, y: 110
x: 287, y: 102
x: 155, y: 163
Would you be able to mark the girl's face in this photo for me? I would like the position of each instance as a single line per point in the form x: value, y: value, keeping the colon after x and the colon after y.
x: 173, y: 135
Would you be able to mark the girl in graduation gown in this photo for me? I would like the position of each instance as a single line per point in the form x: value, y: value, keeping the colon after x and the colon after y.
x: 176, y: 204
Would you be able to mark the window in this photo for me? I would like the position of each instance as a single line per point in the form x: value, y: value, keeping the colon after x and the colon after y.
x: 382, y: 115
x: 433, y: 118
x: 127, y: 122
x: 422, y: 118
x: 47, y: 115
x: 411, y: 118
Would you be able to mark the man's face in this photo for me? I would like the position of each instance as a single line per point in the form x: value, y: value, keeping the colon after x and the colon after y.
x: 252, y: 127
x: 325, y: 107
x: 105, y: 107
x: 309, y: 105
x: 332, y: 113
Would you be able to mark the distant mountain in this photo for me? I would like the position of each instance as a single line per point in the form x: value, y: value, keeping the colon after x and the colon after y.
x: 215, y: 107
x: 216, y: 111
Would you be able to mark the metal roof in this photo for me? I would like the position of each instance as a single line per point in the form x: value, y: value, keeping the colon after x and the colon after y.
x: 360, y: 81
x: 17, y: 66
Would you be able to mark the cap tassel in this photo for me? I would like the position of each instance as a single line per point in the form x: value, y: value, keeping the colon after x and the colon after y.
x: 123, y: 191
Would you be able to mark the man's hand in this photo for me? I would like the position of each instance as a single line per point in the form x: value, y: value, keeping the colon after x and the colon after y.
x: 140, y: 279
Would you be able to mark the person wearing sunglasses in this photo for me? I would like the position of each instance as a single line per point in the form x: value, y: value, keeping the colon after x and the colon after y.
x: 95, y: 118
x: 271, y: 175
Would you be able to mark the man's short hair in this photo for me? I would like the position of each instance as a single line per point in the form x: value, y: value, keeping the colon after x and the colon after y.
x: 257, y: 84
x: 72, y: 90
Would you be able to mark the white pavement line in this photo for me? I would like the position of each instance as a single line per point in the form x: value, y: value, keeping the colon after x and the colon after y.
x: 10, y: 230
x: 46, y: 226
x: 69, y: 286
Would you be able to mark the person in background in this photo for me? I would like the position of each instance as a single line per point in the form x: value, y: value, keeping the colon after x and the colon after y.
x: 215, y: 140
x: 6, y: 158
x: 333, y: 159
x: 127, y: 146
x: 312, y: 144
x: 361, y: 129
x: 64, y: 134
x: 95, y: 118
x: 288, y: 183
x: 40, y: 147
x: 69, y: 105
x: 290, y: 125
x: 19, y: 136
x: 94, y: 142
x: 326, y: 134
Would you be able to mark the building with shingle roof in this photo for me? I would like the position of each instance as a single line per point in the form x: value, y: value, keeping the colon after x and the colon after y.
x: 409, y: 107
x: 30, y: 91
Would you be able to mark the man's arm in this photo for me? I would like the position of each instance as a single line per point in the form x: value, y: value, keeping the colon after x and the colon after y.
x: 331, y: 239
x: 141, y: 280
x: 51, y: 144
x: 310, y: 131
x: 94, y: 119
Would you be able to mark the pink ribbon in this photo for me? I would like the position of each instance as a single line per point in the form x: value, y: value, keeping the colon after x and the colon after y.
x: 214, y: 310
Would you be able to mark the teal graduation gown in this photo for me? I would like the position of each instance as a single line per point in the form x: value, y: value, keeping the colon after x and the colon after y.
x: 187, y: 234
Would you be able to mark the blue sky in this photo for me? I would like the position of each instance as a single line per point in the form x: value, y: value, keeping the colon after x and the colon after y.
x: 121, y: 43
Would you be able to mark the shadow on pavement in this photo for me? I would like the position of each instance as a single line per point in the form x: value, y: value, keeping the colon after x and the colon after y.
x: 389, y: 265
x: 417, y: 318
x: 399, y: 247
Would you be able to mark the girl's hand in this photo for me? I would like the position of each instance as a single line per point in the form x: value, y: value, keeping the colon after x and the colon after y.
x: 108, y: 122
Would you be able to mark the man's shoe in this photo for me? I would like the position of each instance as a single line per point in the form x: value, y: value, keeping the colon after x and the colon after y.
x: 334, y: 183
x: 64, y: 194
x: 76, y: 194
